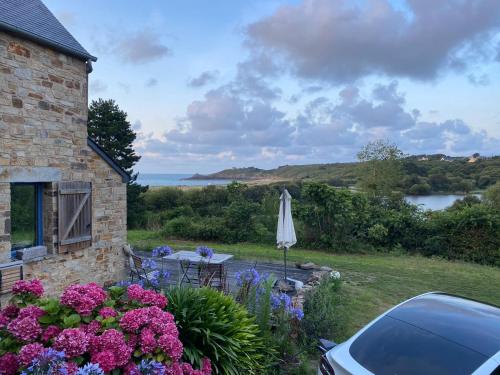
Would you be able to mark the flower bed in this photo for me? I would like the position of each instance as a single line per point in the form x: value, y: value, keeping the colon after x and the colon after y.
x: 90, y: 331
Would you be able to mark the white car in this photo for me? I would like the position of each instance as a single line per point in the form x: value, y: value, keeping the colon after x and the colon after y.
x: 434, y: 333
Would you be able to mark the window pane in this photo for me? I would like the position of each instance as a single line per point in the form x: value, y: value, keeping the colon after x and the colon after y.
x: 391, y: 346
x: 23, y: 214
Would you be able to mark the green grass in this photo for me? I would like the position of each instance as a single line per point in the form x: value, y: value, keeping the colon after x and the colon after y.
x: 373, y: 283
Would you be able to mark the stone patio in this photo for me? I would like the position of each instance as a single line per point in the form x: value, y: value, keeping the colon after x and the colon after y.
x: 233, y: 266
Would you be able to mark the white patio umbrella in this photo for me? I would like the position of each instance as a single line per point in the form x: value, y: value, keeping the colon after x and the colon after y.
x: 285, y: 236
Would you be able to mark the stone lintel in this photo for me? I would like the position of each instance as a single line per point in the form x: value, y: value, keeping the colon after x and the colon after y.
x: 29, y: 174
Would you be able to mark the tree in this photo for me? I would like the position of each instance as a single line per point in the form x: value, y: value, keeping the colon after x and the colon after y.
x: 380, y: 169
x: 109, y: 128
x: 492, y: 196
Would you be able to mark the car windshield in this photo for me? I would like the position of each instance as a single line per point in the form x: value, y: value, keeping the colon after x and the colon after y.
x: 391, y: 346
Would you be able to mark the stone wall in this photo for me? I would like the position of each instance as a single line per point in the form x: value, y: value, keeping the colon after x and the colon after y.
x: 43, y: 132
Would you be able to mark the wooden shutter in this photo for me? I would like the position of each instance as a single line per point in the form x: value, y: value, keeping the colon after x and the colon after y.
x: 75, y: 212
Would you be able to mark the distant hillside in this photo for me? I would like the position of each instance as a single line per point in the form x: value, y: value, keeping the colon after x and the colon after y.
x: 424, y: 174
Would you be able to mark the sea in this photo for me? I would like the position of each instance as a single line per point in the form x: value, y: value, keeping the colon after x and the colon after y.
x: 171, y: 179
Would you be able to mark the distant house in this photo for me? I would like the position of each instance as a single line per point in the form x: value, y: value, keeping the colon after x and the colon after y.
x: 474, y: 158
x: 78, y: 191
x: 423, y: 158
x: 446, y: 158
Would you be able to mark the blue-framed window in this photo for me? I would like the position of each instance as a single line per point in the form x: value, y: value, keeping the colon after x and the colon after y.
x: 26, y: 215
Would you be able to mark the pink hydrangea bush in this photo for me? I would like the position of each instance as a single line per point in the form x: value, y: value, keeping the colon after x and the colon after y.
x: 125, y: 331
x: 84, y: 298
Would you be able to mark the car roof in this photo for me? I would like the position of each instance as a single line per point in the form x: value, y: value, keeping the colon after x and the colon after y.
x: 466, y: 322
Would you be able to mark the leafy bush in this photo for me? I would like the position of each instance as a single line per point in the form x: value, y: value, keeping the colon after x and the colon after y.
x: 323, y: 312
x: 326, y: 217
x: 420, y: 189
x: 469, y: 233
x: 119, y: 331
x: 214, y: 325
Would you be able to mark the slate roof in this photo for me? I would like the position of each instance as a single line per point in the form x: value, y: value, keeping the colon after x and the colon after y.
x: 31, y: 19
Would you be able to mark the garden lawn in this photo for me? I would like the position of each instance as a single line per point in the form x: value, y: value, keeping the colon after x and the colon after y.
x: 373, y: 283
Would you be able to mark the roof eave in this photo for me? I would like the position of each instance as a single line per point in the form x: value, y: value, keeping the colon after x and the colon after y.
x: 108, y: 159
x: 47, y: 42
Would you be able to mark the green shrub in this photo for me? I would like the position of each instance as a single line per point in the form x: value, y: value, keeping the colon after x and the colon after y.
x: 470, y: 233
x: 324, y: 316
x: 420, y: 189
x: 214, y: 325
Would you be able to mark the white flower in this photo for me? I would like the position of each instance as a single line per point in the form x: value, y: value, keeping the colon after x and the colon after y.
x: 335, y: 274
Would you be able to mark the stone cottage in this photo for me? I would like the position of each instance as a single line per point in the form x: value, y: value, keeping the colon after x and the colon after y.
x: 79, y: 191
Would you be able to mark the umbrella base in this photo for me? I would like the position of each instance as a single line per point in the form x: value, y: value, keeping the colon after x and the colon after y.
x: 288, y: 284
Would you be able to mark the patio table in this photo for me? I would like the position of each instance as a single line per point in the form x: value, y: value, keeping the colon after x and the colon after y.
x: 189, y: 259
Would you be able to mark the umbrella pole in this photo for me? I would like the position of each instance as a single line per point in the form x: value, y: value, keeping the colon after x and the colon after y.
x: 286, y: 249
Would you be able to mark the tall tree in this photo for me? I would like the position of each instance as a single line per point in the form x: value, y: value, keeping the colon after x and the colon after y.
x: 109, y: 128
x: 380, y: 169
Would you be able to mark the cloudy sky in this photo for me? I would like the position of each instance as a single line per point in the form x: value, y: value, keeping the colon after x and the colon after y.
x: 216, y: 84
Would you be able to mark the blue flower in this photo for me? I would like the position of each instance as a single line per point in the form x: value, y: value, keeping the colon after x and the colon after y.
x: 249, y: 276
x: 49, y: 361
x: 205, y: 252
x: 285, y: 300
x: 281, y: 300
x: 297, y: 313
x: 90, y: 369
x: 149, y: 263
x: 275, y: 302
x: 150, y: 367
x: 162, y: 251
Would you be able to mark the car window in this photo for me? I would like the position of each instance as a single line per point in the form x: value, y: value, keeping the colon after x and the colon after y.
x: 391, y: 346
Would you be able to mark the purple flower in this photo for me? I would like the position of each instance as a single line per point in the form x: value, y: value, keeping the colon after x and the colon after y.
x: 205, y: 252
x: 150, y: 367
x: 90, y: 369
x: 149, y: 263
x: 297, y: 313
x: 249, y: 276
x: 281, y: 300
x: 162, y: 251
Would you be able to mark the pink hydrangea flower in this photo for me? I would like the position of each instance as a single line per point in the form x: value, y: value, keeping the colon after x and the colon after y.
x: 9, y: 363
x: 113, y: 341
x: 105, y: 359
x: 107, y: 312
x: 132, y: 320
x: 146, y: 297
x: 171, y: 345
x: 151, y: 298
x: 26, y: 329
x: 31, y: 311
x: 29, y: 352
x: 148, y: 341
x: 83, y: 298
x: 92, y: 328
x: 3, y: 320
x: 50, y: 332
x: 72, y: 341
x: 11, y: 311
x: 131, y: 369
x: 71, y: 368
x: 33, y: 287
x: 206, y: 366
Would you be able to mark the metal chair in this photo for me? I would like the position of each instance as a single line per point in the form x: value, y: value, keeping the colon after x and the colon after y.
x: 213, y: 276
x: 137, y: 270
